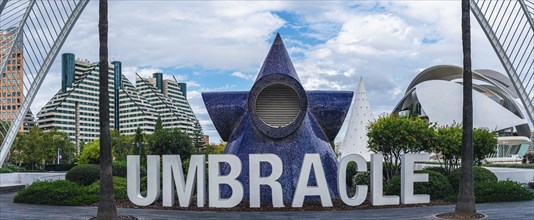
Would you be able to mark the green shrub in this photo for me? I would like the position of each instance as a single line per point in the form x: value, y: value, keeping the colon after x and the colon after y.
x: 513, y: 165
x: 119, y: 186
x: 441, y: 170
x: 498, y: 191
x: 13, y: 167
x: 59, y: 167
x: 59, y: 192
x: 438, y: 186
x: 84, y: 174
x: 5, y: 170
x: 362, y: 178
x: 479, y: 174
x: 120, y: 168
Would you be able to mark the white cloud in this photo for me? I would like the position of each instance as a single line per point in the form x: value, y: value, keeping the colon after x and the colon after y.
x: 382, y: 41
x: 243, y: 76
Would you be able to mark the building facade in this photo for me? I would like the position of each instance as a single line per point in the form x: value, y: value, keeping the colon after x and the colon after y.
x: 12, y: 79
x: 74, y: 108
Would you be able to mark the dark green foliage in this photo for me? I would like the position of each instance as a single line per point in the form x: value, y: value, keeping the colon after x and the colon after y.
x: 5, y: 170
x: 59, y: 192
x: 363, y: 178
x: 479, y: 174
x: 159, y: 124
x: 37, y: 147
x: 513, y: 165
x: 171, y: 142
x: 13, y: 167
x: 59, y: 167
x: 119, y: 185
x: 84, y: 174
x: 393, y: 135
x: 501, y: 191
x: 350, y: 172
x: 438, y: 187
x: 441, y: 170
x: 484, y: 142
x: 120, y: 168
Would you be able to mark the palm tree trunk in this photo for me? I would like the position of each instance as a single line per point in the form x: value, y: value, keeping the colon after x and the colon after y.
x: 466, y: 195
x: 106, y: 207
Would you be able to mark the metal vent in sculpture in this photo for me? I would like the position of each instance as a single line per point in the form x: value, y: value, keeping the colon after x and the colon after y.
x: 278, y: 105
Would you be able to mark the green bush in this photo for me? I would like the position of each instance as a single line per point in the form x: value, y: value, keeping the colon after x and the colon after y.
x: 5, y: 170
x: 513, y: 165
x: 119, y: 185
x: 362, y: 178
x: 59, y: 167
x: 479, y: 174
x: 498, y: 191
x: 350, y: 172
x: 13, y: 167
x: 438, y: 186
x: 84, y: 174
x: 120, y: 168
x: 441, y: 170
x: 59, y: 192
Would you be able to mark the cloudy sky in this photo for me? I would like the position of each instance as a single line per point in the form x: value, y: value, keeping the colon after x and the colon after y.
x: 220, y: 45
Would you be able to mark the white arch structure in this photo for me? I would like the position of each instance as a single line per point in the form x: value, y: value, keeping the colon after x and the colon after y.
x: 436, y: 93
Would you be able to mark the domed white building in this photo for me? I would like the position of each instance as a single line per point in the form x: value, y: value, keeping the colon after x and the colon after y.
x: 437, y: 94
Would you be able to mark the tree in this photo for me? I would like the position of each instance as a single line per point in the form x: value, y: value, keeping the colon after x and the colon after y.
x: 106, y: 206
x: 466, y: 195
x: 448, y: 143
x: 170, y: 141
x: 90, y: 153
x: 121, y: 145
x: 159, y: 124
x: 138, y: 140
x: 213, y: 149
x: 484, y: 142
x: 393, y: 135
x: 37, y: 147
x: 197, y: 137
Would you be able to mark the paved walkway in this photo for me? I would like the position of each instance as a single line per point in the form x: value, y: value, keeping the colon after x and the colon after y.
x: 10, y: 210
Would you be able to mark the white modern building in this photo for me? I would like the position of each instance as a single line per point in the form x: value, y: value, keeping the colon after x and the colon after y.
x: 355, y: 141
x: 74, y: 108
x: 436, y: 93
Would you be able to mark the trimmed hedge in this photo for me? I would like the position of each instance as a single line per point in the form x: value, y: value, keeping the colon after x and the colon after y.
x: 59, y: 167
x: 59, y: 192
x: 5, y: 170
x: 438, y: 186
x: 441, y: 170
x: 498, y: 191
x: 84, y: 174
x: 514, y: 165
x: 479, y: 173
x: 120, y: 168
x: 119, y: 185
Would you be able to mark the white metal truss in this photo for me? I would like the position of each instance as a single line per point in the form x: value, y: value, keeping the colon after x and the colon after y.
x: 509, y: 27
x: 37, y: 29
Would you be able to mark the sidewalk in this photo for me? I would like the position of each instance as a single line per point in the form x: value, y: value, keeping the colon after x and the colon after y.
x: 10, y: 210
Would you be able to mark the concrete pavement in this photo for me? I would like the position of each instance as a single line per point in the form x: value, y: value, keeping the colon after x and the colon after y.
x: 10, y: 210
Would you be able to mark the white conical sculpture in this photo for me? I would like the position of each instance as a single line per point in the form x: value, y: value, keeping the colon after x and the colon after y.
x: 355, y: 141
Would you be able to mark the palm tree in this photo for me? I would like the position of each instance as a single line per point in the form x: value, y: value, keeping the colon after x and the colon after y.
x: 466, y: 196
x: 106, y: 207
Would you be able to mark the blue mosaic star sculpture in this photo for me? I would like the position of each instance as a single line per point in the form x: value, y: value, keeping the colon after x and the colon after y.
x: 277, y: 116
